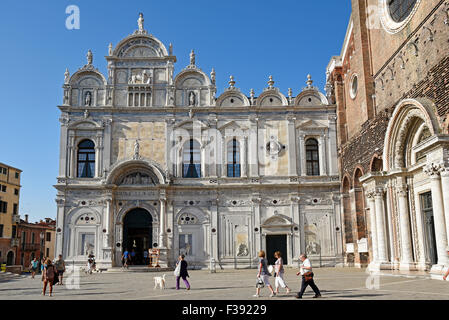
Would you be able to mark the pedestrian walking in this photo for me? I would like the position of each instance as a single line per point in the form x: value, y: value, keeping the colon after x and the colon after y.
x: 60, y: 268
x: 133, y: 257
x: 145, y: 257
x: 183, y: 273
x: 307, y: 277
x: 263, y: 276
x: 34, y: 267
x: 125, y: 259
x: 279, y: 269
x: 49, y: 274
x: 447, y: 272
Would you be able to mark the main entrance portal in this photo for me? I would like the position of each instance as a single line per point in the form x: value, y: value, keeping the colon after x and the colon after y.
x: 137, y: 234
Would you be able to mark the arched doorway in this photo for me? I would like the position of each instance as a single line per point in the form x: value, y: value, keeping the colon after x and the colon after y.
x: 137, y: 233
x: 10, y: 258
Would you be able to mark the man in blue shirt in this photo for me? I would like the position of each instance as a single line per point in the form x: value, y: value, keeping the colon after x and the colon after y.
x: 125, y: 259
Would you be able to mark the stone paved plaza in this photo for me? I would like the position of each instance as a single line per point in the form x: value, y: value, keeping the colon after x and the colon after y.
x: 335, y: 284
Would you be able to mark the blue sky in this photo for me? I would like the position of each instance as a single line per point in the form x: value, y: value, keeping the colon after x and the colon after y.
x: 248, y: 39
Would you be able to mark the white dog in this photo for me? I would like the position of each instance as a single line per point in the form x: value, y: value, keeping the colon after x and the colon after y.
x: 159, y: 281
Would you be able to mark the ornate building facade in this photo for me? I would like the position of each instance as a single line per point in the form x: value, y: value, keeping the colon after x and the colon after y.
x: 149, y: 159
x: 390, y: 84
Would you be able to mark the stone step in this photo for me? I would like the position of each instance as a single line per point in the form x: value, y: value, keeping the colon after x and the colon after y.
x: 137, y: 269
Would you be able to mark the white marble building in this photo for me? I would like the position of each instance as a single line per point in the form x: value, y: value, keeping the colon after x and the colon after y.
x: 153, y: 159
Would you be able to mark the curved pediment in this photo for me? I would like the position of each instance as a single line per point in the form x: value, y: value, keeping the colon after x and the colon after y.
x: 140, y: 46
x: 232, y: 98
x: 136, y: 172
x: 272, y: 98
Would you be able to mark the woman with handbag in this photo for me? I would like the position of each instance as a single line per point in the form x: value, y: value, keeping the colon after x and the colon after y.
x: 181, y: 272
x: 307, y: 277
x: 263, y: 276
x: 279, y: 276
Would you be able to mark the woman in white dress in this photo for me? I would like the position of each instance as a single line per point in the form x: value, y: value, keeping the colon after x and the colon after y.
x: 279, y: 269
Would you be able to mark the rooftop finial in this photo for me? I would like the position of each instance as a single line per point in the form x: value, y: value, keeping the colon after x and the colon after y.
x: 251, y: 94
x: 309, y: 80
x: 270, y: 82
x: 192, y: 58
x: 231, y: 82
x: 170, y: 49
x: 90, y: 57
x: 110, y: 49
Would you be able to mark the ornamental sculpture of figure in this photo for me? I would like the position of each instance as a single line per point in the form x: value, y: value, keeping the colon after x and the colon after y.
x: 140, y: 22
x: 192, y: 98
x: 192, y: 58
x: 66, y: 76
x: 90, y: 57
x: 88, y: 99
x: 136, y: 150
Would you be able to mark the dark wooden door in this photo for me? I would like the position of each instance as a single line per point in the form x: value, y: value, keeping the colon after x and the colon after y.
x: 276, y: 243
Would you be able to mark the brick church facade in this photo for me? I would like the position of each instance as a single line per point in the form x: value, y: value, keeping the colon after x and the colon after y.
x: 391, y: 87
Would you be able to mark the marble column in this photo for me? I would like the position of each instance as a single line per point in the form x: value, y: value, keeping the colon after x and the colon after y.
x: 214, y: 225
x: 445, y: 189
x: 404, y: 229
x: 380, y: 226
x: 373, y: 223
x: 256, y: 212
x: 433, y: 170
x: 72, y: 158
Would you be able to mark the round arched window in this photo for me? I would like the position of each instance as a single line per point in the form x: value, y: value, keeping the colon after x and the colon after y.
x: 400, y: 9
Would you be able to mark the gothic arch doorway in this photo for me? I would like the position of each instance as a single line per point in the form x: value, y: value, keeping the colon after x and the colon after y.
x: 137, y: 234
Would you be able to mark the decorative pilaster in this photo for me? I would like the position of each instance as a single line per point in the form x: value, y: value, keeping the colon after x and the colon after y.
x: 433, y: 171
x: 256, y: 212
x: 244, y: 152
x: 302, y: 154
x: 292, y: 170
x: 163, y: 216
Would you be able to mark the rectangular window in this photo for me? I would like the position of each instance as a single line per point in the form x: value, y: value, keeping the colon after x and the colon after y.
x: 48, y: 236
x: 3, y: 207
x: 32, y: 237
x: 2, y: 188
x: 14, y: 231
x: 5, y: 171
x: 16, y: 192
x: 15, y: 209
x: 17, y: 175
x: 1, y: 231
x: 48, y: 252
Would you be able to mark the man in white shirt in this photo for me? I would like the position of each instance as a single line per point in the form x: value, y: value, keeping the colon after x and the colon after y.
x: 307, y: 277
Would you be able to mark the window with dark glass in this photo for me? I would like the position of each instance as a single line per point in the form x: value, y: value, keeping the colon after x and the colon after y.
x: 191, y: 160
x: 15, y: 208
x: 13, y: 232
x: 400, y: 9
x: 48, y: 236
x: 3, y: 206
x: 233, y: 159
x: 312, y: 158
x: 1, y: 231
x: 86, y: 159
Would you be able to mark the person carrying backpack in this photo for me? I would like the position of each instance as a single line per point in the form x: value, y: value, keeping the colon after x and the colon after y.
x: 49, y: 276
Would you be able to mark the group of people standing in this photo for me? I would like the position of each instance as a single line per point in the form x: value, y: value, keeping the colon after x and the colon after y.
x: 263, y: 275
x: 52, y: 272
